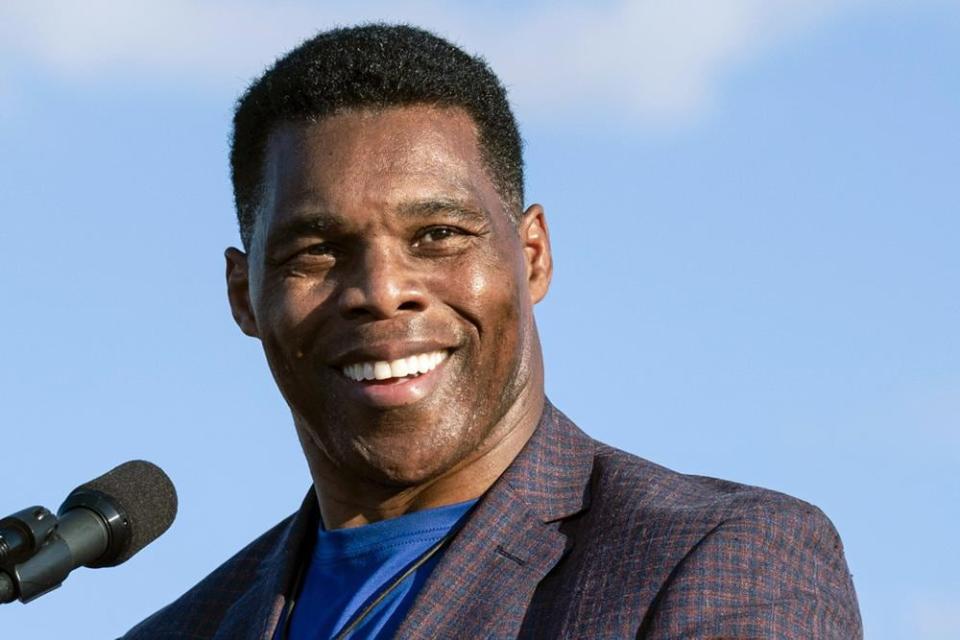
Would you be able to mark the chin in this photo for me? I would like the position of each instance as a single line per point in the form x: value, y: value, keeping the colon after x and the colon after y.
x: 401, y: 477
x: 393, y: 449
x: 396, y: 467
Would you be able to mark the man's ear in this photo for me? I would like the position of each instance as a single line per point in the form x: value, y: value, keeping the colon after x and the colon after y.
x: 238, y: 291
x: 536, y: 247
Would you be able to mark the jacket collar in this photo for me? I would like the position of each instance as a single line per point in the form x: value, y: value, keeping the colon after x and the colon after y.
x: 256, y: 614
x: 551, y: 473
x: 486, y: 578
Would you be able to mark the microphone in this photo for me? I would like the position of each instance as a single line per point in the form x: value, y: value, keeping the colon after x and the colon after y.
x: 101, y: 524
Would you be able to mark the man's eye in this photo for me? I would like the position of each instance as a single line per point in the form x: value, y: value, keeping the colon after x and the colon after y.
x: 319, y: 249
x: 320, y: 253
x: 437, y: 234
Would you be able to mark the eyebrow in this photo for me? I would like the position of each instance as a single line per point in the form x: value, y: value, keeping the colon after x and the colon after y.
x: 458, y: 210
x: 303, y: 225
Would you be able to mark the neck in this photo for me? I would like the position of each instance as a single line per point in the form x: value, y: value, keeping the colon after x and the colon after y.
x: 353, y: 503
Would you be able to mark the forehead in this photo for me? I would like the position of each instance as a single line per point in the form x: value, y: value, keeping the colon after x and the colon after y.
x: 375, y: 157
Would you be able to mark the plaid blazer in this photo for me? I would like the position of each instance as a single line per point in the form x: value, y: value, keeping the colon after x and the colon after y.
x: 577, y: 540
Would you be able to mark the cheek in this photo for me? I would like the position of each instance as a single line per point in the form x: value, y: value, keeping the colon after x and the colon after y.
x: 480, y: 289
x: 490, y: 294
x: 285, y: 318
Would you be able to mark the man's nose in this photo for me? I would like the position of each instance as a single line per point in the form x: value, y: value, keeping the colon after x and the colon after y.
x: 382, y: 284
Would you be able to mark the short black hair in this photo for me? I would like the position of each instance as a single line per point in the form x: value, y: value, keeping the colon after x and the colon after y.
x: 372, y: 66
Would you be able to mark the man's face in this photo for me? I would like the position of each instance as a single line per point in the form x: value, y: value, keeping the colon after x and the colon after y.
x: 392, y: 293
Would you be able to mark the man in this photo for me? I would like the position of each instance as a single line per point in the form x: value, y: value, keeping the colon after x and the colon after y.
x: 390, y: 271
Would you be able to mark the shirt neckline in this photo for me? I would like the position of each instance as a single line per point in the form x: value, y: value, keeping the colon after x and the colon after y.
x: 425, y: 527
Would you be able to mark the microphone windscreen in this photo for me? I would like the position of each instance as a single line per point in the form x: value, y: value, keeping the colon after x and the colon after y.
x: 145, y: 495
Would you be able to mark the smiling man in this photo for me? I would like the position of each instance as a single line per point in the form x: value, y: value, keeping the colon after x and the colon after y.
x: 390, y: 271
x: 392, y: 288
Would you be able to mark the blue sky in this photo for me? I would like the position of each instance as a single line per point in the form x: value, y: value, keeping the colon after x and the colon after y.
x: 754, y: 211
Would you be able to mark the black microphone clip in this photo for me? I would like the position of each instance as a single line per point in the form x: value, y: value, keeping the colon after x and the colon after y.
x: 46, y: 548
x: 23, y: 536
x: 23, y: 533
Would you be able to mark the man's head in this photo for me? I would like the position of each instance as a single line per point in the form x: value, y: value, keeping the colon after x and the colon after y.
x: 388, y: 276
x: 372, y: 66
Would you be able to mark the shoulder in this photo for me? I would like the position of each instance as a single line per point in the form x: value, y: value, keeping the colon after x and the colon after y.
x: 623, y: 481
x: 199, y: 612
x: 657, y: 502
x: 627, y: 489
x: 768, y: 558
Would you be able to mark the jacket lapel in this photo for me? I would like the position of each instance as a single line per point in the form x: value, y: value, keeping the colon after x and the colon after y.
x: 485, y: 580
x: 256, y: 614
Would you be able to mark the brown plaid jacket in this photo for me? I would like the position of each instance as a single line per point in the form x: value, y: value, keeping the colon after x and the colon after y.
x: 577, y: 540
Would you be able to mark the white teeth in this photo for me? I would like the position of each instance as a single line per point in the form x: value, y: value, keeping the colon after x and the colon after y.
x: 399, y: 368
x: 413, y: 364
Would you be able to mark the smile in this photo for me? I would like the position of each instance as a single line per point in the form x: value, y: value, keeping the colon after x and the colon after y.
x: 411, y: 366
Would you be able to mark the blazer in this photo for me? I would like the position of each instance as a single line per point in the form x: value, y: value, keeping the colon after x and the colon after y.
x: 576, y: 540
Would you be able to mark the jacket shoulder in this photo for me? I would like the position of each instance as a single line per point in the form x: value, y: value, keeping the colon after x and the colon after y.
x: 772, y: 561
x: 633, y: 483
x: 646, y: 501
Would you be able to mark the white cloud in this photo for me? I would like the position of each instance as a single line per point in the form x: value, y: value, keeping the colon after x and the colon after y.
x: 655, y: 61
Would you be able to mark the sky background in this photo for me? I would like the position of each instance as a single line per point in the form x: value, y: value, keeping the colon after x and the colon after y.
x: 754, y: 212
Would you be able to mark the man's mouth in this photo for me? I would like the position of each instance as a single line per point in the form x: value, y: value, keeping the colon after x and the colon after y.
x: 385, y: 371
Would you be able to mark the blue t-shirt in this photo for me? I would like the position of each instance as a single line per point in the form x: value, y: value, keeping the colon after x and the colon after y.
x: 351, y: 567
